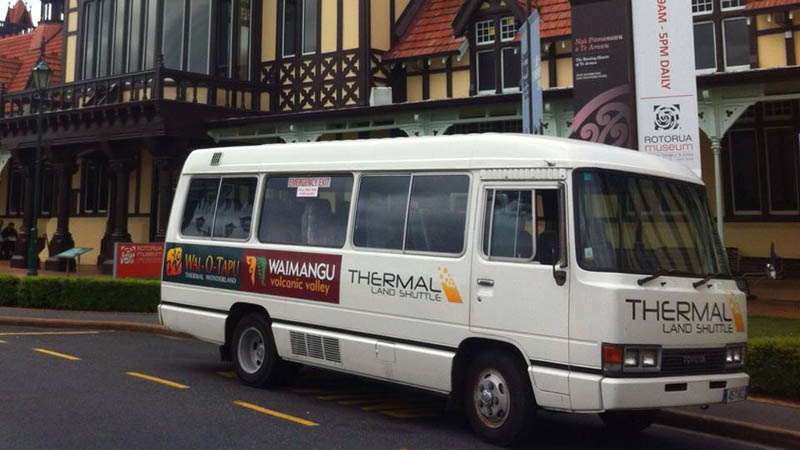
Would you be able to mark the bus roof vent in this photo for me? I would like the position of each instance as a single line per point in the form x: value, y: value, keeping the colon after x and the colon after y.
x: 215, y: 158
x: 533, y: 173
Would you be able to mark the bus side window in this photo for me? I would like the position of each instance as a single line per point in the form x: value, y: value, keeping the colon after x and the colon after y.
x: 547, y: 226
x: 508, y: 225
x: 235, y: 208
x: 307, y: 210
x: 198, y: 212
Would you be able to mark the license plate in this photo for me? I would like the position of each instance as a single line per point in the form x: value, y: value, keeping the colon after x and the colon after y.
x: 736, y: 394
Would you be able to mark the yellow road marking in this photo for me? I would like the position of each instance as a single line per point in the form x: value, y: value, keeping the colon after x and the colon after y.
x: 227, y: 374
x: 773, y: 401
x: 3, y: 342
x: 56, y: 354
x: 401, y: 405
x: 49, y: 333
x: 158, y: 380
x: 277, y: 414
x: 410, y: 413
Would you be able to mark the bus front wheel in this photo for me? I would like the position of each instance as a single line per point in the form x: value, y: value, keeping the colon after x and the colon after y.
x: 497, y: 398
x: 254, y: 354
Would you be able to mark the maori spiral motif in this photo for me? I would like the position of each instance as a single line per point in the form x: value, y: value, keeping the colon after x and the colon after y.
x: 606, y: 119
x: 667, y: 117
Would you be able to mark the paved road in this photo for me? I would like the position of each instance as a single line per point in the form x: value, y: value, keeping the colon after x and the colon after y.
x: 105, y: 400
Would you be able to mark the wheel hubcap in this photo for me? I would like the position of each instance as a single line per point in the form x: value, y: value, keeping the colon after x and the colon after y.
x: 492, y: 399
x: 251, y: 350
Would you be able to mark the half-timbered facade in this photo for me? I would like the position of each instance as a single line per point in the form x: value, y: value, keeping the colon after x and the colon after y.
x: 146, y: 81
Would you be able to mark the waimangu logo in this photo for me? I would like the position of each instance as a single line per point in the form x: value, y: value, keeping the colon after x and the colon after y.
x: 257, y: 269
x: 174, y: 262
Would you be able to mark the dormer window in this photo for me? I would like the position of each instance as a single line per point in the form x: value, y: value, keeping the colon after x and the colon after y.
x: 497, y: 56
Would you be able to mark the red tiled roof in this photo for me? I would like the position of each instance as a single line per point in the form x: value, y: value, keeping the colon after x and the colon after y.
x: 19, y: 53
x: 431, y: 31
x: 17, y: 13
x: 758, y: 4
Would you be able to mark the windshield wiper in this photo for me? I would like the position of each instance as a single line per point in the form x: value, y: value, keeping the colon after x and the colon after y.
x: 706, y: 279
x: 652, y: 277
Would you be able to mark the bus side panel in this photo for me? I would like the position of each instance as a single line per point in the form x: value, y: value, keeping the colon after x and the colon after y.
x: 204, y: 325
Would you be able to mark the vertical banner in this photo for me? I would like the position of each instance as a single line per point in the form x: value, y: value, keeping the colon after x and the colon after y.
x: 603, y: 70
x: 665, y: 80
x: 532, y: 103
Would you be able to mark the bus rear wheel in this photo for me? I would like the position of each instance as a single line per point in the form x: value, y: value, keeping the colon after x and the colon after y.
x: 254, y: 354
x: 498, y: 400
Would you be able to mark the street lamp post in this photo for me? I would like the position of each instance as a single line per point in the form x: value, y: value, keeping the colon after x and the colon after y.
x: 40, y: 74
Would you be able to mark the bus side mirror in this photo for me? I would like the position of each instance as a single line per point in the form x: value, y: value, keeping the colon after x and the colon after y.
x: 559, y: 275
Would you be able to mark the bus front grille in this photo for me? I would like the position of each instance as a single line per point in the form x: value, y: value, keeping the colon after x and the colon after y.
x: 692, y: 361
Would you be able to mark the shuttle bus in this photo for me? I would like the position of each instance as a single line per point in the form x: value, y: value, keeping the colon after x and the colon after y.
x: 508, y: 272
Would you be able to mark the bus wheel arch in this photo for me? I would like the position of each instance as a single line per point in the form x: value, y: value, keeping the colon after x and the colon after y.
x: 237, y: 311
x: 471, y: 348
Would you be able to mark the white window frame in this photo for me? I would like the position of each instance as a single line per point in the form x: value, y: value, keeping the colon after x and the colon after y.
x: 788, y: 212
x: 714, y: 43
x: 705, y: 3
x: 503, y: 70
x: 744, y: 212
x: 722, y: 6
x: 728, y: 68
x: 490, y: 24
x: 507, y: 24
x: 478, y: 74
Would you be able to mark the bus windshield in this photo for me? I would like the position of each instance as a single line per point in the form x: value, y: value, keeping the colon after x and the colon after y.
x: 639, y: 224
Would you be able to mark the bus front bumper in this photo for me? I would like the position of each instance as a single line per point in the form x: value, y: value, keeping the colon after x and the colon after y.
x: 637, y: 393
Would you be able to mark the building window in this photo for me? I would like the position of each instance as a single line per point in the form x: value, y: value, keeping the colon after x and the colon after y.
x: 172, y: 45
x: 224, y: 38
x: 199, y: 36
x: 782, y: 168
x: 16, y: 192
x: 508, y: 29
x: 736, y: 35
x: 732, y: 4
x: 485, y: 71
x: 705, y: 54
x: 300, y: 26
x: 97, y: 37
x: 141, y: 48
x: 95, y: 186
x: 511, y: 66
x: 484, y: 32
x: 245, y: 21
x: 777, y: 110
x: 702, y: 6
x: 744, y: 169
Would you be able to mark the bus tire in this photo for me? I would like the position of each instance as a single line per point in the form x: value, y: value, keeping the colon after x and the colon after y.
x: 629, y: 422
x: 254, y: 354
x: 498, y: 400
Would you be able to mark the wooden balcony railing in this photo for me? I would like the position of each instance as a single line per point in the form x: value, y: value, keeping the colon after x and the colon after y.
x: 156, y: 84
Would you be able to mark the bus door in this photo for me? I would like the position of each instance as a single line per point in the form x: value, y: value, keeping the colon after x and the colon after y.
x: 519, y: 285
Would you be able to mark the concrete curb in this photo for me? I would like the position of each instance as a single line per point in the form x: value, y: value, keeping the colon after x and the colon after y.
x: 734, y: 429
x: 93, y: 324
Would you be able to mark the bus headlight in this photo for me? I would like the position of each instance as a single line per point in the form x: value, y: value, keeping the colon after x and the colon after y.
x: 630, y: 358
x: 734, y: 355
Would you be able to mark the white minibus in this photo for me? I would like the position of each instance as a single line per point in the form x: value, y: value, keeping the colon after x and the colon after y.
x: 510, y: 272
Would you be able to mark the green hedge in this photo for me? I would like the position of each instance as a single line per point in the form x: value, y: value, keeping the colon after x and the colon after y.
x: 9, y: 290
x: 774, y: 366
x: 95, y: 294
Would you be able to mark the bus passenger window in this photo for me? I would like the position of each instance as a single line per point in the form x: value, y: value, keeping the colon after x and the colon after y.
x: 306, y: 210
x: 235, y: 208
x: 198, y: 213
x: 508, y: 225
x: 437, y: 214
x: 381, y: 212
x: 547, y: 224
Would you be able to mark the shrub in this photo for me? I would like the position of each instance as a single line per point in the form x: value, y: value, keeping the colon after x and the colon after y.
x: 774, y: 366
x: 96, y: 294
x: 9, y: 290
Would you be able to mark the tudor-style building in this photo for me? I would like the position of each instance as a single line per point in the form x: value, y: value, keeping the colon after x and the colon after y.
x: 146, y: 81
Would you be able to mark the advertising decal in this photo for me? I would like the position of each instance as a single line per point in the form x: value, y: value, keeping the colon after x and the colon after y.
x: 666, y: 86
x: 685, y: 317
x: 307, y: 276
x: 603, y: 70
x: 408, y: 286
